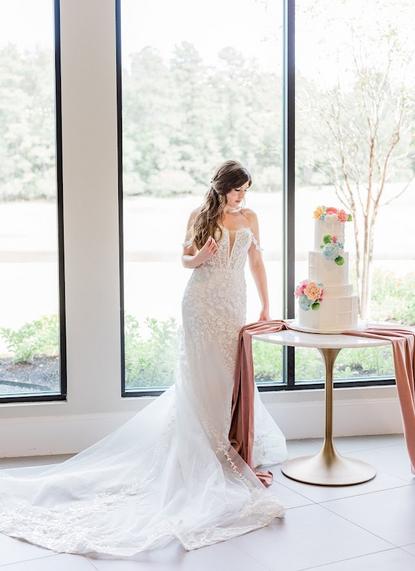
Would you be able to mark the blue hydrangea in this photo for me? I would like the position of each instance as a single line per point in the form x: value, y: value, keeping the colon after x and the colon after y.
x: 331, y: 251
x: 305, y: 303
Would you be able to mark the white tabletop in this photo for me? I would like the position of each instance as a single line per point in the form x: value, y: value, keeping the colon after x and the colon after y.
x: 319, y: 341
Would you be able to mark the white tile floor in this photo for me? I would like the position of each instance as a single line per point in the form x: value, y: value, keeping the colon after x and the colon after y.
x: 354, y: 528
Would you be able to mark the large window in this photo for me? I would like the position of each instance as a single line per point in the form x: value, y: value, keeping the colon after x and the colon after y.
x: 231, y: 81
x: 205, y: 89
x: 355, y: 92
x: 32, y: 348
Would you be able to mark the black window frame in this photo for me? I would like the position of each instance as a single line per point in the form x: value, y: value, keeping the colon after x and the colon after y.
x: 288, y: 221
x: 62, y: 394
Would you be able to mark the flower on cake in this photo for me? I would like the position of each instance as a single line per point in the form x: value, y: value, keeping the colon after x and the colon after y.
x: 310, y: 294
x: 343, y: 216
x: 321, y: 212
x: 299, y: 290
x: 312, y: 291
x: 332, y: 249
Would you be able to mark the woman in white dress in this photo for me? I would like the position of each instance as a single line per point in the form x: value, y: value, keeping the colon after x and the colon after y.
x: 169, y: 473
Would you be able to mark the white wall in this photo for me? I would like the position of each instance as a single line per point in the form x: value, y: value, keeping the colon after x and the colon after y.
x: 94, y: 405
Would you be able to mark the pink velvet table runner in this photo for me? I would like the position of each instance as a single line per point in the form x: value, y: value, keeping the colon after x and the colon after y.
x: 241, y: 434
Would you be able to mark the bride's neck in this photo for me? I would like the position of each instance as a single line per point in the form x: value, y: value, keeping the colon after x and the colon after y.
x: 232, y: 209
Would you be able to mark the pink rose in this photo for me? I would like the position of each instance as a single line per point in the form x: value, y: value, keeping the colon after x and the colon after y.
x: 334, y: 239
x: 299, y: 290
x: 312, y: 291
x: 331, y: 210
x: 342, y: 216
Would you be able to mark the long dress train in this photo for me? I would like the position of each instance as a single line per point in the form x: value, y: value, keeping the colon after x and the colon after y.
x: 168, y: 473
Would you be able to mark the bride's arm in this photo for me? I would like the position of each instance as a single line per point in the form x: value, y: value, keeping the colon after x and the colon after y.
x: 191, y: 256
x: 257, y: 267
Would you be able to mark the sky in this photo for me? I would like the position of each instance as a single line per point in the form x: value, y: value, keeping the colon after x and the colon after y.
x: 252, y: 26
x: 323, y: 41
x: 27, y: 23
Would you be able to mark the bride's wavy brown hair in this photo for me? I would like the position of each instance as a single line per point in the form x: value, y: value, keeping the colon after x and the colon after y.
x: 229, y: 175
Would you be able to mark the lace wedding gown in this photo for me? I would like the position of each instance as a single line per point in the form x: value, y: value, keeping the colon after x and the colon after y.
x: 169, y: 472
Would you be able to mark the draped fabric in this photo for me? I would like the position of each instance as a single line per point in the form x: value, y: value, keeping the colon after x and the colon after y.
x: 403, y: 347
x: 241, y: 434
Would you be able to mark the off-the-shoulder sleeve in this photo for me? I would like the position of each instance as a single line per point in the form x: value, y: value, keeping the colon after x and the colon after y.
x: 256, y: 244
x: 187, y: 243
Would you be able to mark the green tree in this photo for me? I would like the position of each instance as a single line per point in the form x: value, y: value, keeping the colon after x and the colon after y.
x: 360, y: 125
x: 27, y: 120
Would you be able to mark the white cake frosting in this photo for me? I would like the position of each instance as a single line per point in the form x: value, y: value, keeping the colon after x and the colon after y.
x: 337, y: 309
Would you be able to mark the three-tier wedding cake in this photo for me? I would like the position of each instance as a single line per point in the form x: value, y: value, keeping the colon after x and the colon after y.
x: 326, y: 300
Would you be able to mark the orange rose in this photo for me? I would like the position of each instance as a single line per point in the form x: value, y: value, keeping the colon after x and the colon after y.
x: 312, y: 291
x: 318, y: 212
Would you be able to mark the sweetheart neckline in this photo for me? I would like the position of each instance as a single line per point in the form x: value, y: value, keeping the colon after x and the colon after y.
x: 236, y: 229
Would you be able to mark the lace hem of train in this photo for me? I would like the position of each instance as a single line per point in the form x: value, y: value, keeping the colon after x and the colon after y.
x: 66, y: 529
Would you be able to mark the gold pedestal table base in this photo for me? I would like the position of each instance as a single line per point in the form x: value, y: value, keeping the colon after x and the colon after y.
x: 327, y: 467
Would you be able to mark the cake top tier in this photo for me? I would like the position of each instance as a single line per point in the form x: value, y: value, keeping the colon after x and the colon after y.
x: 329, y: 221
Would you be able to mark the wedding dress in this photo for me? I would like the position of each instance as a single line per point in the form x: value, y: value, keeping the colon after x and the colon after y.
x: 169, y: 473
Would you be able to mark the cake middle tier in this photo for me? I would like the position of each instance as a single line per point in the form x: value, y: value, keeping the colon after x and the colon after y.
x: 338, y: 291
x: 333, y: 314
x: 320, y: 269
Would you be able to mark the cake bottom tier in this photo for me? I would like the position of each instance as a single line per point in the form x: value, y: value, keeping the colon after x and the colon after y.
x: 334, y: 313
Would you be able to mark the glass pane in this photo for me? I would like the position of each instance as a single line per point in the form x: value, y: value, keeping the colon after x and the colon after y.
x: 268, y: 363
x: 194, y: 94
x: 355, y: 99
x: 29, y: 287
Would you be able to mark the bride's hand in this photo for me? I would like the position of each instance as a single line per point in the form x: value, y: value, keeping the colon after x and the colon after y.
x: 207, y: 250
x: 264, y: 315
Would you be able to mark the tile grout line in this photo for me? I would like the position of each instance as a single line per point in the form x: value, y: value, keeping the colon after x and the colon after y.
x: 92, y: 563
x: 322, y: 565
x: 295, y: 492
x: 358, y: 525
x: 365, y: 493
x: 2, y: 565
x: 392, y: 546
x: 402, y: 547
x: 401, y: 485
x: 249, y: 554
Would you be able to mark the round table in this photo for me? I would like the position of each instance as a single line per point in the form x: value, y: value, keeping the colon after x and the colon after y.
x: 327, y: 467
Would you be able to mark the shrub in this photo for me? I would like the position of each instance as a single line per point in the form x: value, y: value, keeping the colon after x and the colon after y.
x: 393, y: 297
x: 150, y: 355
x: 267, y: 362
x: 39, y: 337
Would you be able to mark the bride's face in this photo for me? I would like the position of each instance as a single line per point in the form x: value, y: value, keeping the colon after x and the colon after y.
x: 236, y: 195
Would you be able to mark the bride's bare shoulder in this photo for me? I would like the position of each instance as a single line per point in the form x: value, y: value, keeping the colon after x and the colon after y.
x: 250, y: 215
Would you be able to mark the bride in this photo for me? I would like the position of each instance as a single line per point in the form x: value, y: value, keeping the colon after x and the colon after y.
x: 169, y: 473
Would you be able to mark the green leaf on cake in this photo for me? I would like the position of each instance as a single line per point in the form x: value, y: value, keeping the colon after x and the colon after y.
x: 315, y: 305
x: 339, y: 260
x: 327, y: 239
